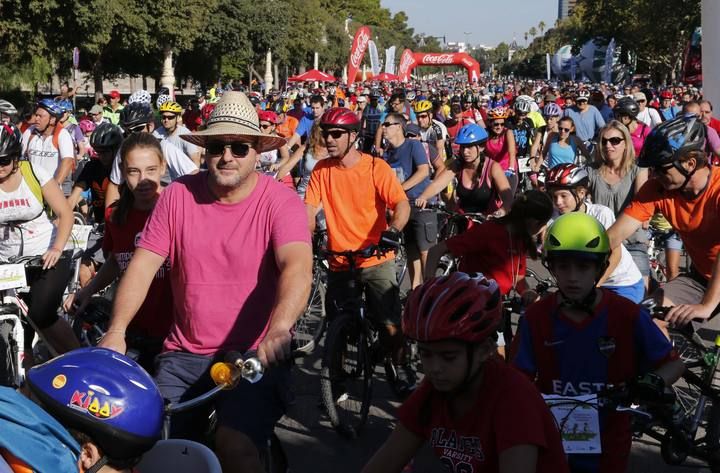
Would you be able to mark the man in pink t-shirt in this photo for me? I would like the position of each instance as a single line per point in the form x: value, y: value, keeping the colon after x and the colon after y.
x: 240, y: 259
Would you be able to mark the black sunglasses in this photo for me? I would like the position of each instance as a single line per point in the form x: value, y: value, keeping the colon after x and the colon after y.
x: 169, y: 117
x: 495, y: 124
x: 336, y: 134
x: 615, y: 140
x: 567, y: 130
x: 388, y: 124
x: 5, y: 160
x: 265, y: 127
x: 237, y: 149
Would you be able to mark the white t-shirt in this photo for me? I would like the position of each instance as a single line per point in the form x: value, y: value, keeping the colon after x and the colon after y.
x: 42, y: 152
x: 650, y: 117
x: 187, y: 147
x: 178, y: 163
x: 626, y: 273
x: 36, y: 233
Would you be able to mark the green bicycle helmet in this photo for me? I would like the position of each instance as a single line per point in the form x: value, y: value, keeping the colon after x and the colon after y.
x: 577, y: 235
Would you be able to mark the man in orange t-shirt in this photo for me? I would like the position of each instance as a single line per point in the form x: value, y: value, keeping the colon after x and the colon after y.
x: 355, y: 191
x: 687, y: 192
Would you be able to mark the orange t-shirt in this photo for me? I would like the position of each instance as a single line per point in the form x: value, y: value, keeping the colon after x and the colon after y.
x: 354, y: 200
x: 696, y: 221
x: 287, y: 128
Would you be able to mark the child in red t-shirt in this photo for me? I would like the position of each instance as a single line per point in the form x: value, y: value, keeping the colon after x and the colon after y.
x: 499, y: 248
x: 143, y: 165
x: 477, y: 413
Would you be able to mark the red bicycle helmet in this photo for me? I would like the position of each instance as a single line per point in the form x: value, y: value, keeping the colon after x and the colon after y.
x: 459, y: 306
x: 666, y: 94
x: 338, y: 117
x: 206, y: 111
x: 268, y: 116
x: 566, y: 176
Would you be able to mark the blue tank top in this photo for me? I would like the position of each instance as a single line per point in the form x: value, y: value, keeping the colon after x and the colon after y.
x: 558, y: 154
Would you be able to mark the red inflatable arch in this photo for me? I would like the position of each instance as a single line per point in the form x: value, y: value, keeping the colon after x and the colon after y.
x: 410, y: 60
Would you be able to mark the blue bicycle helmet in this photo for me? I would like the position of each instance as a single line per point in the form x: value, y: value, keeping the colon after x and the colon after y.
x: 103, y: 394
x: 52, y: 107
x: 499, y: 89
x: 672, y: 139
x: 66, y: 105
x: 471, y: 134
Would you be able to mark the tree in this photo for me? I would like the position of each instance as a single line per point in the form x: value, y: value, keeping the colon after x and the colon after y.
x: 541, y: 27
x: 533, y: 32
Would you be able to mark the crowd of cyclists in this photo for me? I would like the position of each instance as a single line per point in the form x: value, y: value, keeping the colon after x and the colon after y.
x: 206, y: 214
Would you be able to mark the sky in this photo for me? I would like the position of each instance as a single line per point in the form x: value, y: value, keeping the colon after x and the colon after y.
x: 489, y: 22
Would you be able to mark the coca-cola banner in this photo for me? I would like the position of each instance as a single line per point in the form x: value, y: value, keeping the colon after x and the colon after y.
x: 410, y: 60
x: 407, y: 64
x: 357, y: 51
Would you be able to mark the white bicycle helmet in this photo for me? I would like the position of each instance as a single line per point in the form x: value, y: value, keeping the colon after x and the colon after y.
x: 162, y: 98
x: 523, y: 104
x: 140, y: 96
x: 6, y: 108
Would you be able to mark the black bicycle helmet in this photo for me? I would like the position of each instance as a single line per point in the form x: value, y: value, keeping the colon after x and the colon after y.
x: 10, y: 141
x: 672, y: 139
x: 627, y: 106
x: 135, y: 116
x: 106, y: 136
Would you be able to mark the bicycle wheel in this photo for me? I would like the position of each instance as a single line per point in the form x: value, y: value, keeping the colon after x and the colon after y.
x: 311, y: 324
x: 8, y: 364
x: 401, y: 264
x: 687, y: 394
x: 346, y: 376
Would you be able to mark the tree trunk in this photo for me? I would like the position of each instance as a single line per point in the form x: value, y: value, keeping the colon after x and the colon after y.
x: 167, y: 78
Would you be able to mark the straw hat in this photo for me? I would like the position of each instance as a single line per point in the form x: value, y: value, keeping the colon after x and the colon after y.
x: 235, y: 119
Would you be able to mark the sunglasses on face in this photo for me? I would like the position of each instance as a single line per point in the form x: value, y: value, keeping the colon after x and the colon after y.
x: 169, y: 117
x: 566, y: 130
x: 237, y: 149
x: 641, y: 101
x: 615, y: 140
x: 265, y: 126
x: 423, y: 115
x: 335, y: 134
x: 498, y: 124
x: 388, y: 124
x: 6, y: 160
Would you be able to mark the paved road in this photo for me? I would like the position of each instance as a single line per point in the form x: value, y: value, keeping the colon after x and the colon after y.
x: 313, y: 447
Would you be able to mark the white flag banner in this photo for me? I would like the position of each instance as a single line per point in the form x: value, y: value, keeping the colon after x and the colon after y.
x: 374, y: 59
x: 390, y: 60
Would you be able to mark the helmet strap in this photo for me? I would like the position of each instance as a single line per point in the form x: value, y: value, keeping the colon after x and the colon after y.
x: 688, y: 174
x: 99, y: 464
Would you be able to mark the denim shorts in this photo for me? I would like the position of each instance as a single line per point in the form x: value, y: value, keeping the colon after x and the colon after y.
x: 639, y: 253
x: 252, y: 409
x: 670, y: 239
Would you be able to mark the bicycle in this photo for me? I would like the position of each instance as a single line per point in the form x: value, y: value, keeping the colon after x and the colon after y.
x: 226, y: 375
x: 513, y: 303
x: 310, y: 327
x: 352, y: 350
x: 13, y: 314
x: 692, y: 429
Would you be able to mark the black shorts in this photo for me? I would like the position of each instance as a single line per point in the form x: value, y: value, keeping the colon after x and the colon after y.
x: 422, y: 229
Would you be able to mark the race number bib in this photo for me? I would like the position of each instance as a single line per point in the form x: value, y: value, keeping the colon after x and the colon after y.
x: 12, y: 276
x: 578, y: 421
x: 79, y: 237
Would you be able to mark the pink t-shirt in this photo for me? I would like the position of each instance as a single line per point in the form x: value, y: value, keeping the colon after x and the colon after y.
x: 223, y: 272
x: 638, y: 137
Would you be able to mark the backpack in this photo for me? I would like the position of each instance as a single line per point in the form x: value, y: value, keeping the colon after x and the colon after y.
x: 28, y: 174
x: 55, y: 139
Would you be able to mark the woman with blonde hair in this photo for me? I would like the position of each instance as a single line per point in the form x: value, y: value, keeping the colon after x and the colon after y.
x: 614, y: 178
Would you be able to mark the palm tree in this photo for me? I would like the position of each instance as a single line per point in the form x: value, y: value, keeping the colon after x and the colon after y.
x: 526, y: 37
x: 541, y: 27
x: 533, y: 32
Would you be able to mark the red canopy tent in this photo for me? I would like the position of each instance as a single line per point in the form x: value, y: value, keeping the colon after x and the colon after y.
x: 385, y: 77
x: 313, y: 75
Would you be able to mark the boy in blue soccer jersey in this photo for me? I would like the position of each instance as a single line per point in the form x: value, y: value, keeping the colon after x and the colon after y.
x: 581, y: 338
